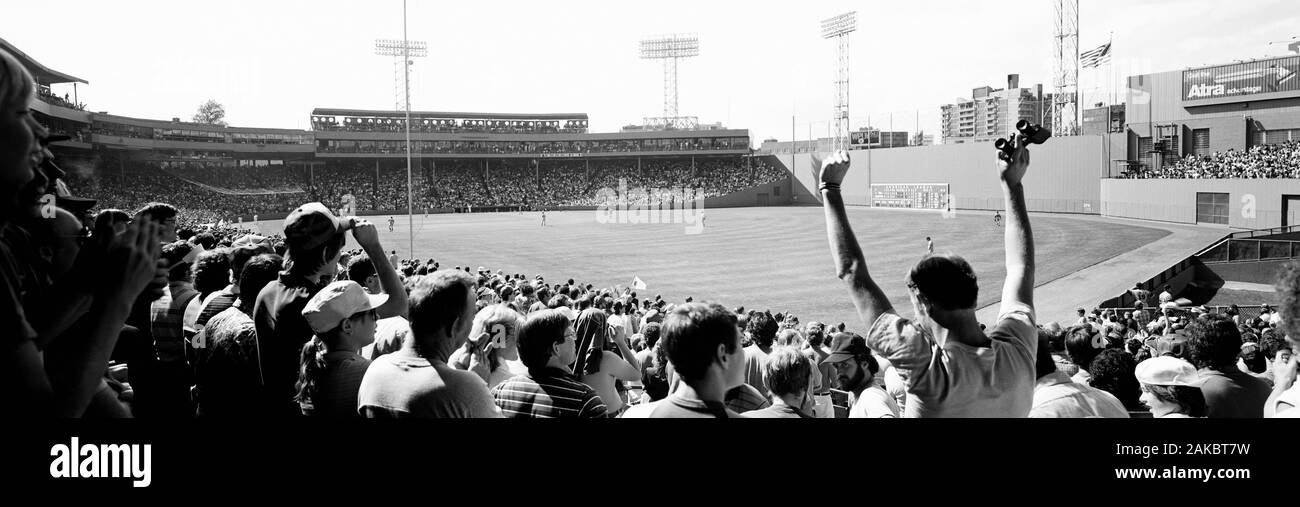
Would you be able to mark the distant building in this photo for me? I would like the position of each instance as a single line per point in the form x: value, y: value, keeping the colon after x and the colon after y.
x: 993, y: 113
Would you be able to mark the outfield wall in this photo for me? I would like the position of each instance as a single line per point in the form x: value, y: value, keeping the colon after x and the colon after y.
x: 1064, y: 175
x: 1175, y: 200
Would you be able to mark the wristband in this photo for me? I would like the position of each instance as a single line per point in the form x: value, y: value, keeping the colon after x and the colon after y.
x: 829, y: 186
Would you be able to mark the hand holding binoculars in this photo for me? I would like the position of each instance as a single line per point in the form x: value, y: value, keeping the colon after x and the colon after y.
x: 1029, y: 134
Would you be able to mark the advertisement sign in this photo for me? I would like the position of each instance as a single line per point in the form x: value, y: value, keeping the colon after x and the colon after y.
x: 1242, y: 79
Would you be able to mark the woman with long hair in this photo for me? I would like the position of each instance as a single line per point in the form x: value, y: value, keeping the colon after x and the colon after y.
x: 1171, y: 387
x: 600, y: 363
x: 343, y: 318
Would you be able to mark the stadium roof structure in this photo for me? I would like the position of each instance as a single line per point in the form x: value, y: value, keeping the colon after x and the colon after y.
x: 320, y: 111
x: 43, y: 75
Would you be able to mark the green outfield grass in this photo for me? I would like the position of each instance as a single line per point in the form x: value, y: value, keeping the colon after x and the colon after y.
x: 759, y: 258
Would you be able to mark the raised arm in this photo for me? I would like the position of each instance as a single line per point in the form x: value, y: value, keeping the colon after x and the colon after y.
x: 368, y: 237
x: 850, y: 265
x: 1019, y: 238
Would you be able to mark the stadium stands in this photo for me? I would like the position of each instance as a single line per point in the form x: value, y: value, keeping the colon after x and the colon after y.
x: 211, y: 190
x: 1264, y: 161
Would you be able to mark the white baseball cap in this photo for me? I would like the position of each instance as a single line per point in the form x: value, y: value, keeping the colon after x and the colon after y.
x: 1167, y: 371
x: 338, y: 301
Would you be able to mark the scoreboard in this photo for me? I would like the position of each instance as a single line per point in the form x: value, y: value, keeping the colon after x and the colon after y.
x: 910, y: 195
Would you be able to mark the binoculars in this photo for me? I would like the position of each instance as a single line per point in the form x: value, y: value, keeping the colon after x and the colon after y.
x: 1030, y: 134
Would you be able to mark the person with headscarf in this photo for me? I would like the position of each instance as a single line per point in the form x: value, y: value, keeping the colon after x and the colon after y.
x: 598, y: 365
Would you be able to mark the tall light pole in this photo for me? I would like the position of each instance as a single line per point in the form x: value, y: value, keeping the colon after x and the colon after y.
x: 839, y: 28
x: 1065, y: 102
x: 407, y: 49
x: 670, y: 49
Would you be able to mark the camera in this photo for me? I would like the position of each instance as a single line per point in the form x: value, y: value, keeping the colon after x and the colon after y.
x: 1030, y: 134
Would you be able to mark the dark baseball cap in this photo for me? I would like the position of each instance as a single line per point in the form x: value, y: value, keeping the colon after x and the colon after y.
x: 312, y: 224
x: 846, y: 346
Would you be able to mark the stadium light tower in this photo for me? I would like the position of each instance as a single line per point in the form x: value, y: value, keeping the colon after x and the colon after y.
x: 397, y: 49
x: 839, y: 28
x: 670, y: 49
x: 1065, y: 103
x: 406, y: 49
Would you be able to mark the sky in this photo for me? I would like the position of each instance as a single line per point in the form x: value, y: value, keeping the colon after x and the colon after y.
x: 270, y: 62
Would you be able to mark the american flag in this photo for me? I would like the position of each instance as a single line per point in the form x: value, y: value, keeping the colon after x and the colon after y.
x: 1096, y: 57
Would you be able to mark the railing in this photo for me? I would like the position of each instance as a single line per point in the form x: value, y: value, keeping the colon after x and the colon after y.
x: 1245, y: 312
x: 1249, y: 250
x: 1265, y: 232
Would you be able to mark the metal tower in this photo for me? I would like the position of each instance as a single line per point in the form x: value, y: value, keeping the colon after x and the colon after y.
x: 839, y: 28
x: 398, y: 48
x: 671, y: 48
x: 1065, y: 69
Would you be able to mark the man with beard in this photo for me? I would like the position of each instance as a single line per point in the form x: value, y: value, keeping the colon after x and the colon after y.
x: 855, y: 371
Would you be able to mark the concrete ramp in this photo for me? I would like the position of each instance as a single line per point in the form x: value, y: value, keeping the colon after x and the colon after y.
x: 1056, y: 300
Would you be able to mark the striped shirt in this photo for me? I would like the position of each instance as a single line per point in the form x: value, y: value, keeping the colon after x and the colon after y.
x: 548, y: 393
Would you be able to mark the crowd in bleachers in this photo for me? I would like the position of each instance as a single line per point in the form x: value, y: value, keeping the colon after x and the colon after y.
x: 1264, y: 161
x: 270, y: 178
x: 216, y: 190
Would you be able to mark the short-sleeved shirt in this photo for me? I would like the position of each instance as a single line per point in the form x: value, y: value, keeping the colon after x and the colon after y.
x: 336, y: 393
x: 954, y: 379
x: 1056, y: 396
x: 1290, y: 397
x: 549, y: 393
x: 676, y: 407
x: 389, y: 335
x: 755, y: 360
x: 1233, y: 394
x: 281, y: 333
x: 874, y: 403
x: 1142, y: 317
x: 1141, y: 295
x: 403, y: 384
x: 778, y: 411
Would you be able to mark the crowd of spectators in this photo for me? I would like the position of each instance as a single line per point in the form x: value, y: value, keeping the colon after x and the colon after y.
x: 264, y: 179
x: 64, y: 101
x: 211, y: 191
x: 134, y: 314
x: 690, y: 144
x: 1280, y: 160
x: 133, y: 188
x: 449, y: 125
